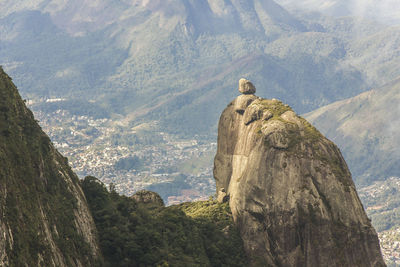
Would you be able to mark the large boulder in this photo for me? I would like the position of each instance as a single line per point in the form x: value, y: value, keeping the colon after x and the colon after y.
x: 246, y: 87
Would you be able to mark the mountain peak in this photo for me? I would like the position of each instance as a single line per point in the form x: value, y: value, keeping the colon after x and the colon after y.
x: 289, y: 189
x: 44, y: 218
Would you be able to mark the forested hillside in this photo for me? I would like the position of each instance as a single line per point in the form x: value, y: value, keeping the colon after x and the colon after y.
x: 141, y: 231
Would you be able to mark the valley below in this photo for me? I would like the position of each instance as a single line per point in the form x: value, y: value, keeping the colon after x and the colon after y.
x: 132, y: 159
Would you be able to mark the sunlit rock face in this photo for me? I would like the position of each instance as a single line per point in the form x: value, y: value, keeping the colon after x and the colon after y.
x: 289, y: 189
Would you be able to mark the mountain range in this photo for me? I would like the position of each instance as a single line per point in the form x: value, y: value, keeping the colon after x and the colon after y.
x: 102, y: 53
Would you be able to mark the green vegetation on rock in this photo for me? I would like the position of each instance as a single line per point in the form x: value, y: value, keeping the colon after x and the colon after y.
x: 276, y: 107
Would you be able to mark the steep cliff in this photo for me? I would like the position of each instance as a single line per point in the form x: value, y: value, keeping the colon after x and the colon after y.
x: 289, y: 189
x: 44, y: 217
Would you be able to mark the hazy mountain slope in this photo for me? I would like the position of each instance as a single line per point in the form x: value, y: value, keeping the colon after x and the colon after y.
x: 46, y: 61
x: 378, y: 55
x: 366, y: 129
x: 385, y: 11
x: 44, y: 217
x: 193, y: 45
x: 81, y: 17
x: 74, y: 49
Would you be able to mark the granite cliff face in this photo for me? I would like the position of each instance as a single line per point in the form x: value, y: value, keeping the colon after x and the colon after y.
x: 44, y: 217
x: 289, y: 189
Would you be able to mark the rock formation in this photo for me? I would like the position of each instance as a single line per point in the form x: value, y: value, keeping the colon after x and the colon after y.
x: 246, y: 87
x: 44, y: 217
x: 148, y: 197
x: 289, y: 189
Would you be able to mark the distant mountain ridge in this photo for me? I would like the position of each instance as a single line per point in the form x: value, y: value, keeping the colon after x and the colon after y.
x: 82, y: 17
x: 384, y: 11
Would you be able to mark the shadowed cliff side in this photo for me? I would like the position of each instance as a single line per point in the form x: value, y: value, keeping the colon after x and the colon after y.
x: 289, y: 188
x: 44, y: 217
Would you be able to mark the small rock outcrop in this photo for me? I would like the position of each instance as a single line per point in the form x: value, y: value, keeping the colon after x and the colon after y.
x: 148, y: 197
x: 222, y: 196
x: 289, y: 189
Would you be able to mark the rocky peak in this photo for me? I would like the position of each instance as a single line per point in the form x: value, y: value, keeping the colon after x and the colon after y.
x: 289, y: 189
x: 44, y: 217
